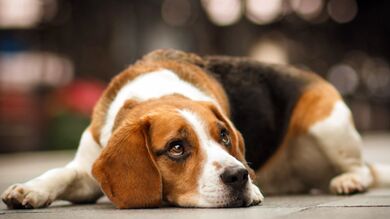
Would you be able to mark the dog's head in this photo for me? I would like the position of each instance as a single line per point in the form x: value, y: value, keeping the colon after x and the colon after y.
x: 184, y: 152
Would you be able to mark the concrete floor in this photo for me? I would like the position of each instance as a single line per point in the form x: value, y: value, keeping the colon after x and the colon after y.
x: 373, y: 204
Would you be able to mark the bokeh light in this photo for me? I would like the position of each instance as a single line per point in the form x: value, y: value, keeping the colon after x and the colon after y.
x: 342, y: 11
x: 223, y: 12
x: 269, y: 51
x: 24, y: 14
x: 307, y: 9
x: 344, y: 78
x: 43, y: 69
x: 263, y: 11
x: 20, y: 13
x: 376, y: 76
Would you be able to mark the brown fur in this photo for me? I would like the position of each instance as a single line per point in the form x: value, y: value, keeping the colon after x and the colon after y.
x: 184, y: 69
x: 175, y: 55
x: 123, y: 112
x: 217, y: 165
x: 126, y: 169
x: 314, y: 105
x: 163, y: 123
x: 142, y: 129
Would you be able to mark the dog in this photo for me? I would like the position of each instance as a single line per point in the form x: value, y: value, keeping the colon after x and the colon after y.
x: 164, y: 132
x: 159, y: 134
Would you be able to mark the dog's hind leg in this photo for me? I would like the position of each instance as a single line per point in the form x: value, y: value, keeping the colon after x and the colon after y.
x: 73, y: 182
x: 341, y: 144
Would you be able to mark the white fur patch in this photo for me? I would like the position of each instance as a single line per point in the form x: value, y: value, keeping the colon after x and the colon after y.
x: 212, y: 192
x: 87, y: 152
x: 147, y: 86
x: 338, y: 137
x: 330, y: 144
x: 213, y: 150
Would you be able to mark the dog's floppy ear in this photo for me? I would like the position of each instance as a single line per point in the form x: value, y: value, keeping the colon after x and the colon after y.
x: 126, y: 170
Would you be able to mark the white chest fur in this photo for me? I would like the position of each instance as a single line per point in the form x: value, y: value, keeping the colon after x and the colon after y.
x: 147, y: 86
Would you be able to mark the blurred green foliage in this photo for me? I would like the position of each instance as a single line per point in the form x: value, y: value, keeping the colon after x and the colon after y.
x: 64, y: 131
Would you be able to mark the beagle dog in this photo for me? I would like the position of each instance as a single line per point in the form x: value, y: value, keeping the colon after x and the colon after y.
x: 161, y: 133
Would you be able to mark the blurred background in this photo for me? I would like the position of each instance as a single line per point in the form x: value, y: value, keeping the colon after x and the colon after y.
x: 56, y: 56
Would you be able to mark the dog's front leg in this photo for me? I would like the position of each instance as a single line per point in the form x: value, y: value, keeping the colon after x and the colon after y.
x: 73, y: 182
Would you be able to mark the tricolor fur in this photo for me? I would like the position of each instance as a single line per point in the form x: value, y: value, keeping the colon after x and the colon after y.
x: 299, y: 133
x: 161, y: 133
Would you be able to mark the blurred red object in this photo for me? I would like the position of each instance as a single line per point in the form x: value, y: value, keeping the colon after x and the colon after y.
x: 80, y: 96
x: 21, y: 119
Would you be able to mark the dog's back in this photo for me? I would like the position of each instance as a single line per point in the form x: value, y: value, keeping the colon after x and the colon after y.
x: 262, y: 97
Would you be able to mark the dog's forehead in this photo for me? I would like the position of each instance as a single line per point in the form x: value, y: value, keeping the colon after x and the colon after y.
x: 167, y: 125
x: 187, y: 115
x: 196, y: 123
x: 213, y: 150
x: 201, y: 126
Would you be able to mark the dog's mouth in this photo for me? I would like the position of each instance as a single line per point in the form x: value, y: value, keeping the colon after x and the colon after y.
x: 237, y: 199
x: 232, y: 199
x: 221, y: 198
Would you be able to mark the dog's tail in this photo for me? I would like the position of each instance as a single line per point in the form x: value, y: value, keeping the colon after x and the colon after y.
x: 381, y: 174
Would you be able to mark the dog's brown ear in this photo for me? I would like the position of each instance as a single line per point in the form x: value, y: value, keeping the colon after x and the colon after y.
x: 126, y: 170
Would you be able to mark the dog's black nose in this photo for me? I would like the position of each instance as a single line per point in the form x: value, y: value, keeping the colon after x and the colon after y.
x: 235, y: 177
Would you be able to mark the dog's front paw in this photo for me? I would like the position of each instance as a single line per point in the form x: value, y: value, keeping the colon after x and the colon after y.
x: 345, y: 184
x: 21, y: 196
x: 257, y: 197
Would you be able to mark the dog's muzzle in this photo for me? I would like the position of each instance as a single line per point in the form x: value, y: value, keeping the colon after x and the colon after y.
x: 236, y: 180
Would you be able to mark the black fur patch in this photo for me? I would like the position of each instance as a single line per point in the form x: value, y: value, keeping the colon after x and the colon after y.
x: 262, y: 97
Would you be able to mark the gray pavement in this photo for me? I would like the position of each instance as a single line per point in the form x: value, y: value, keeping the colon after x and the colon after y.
x: 373, y: 204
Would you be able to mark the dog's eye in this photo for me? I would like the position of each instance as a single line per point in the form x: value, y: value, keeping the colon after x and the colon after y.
x: 225, y: 137
x: 176, y: 149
